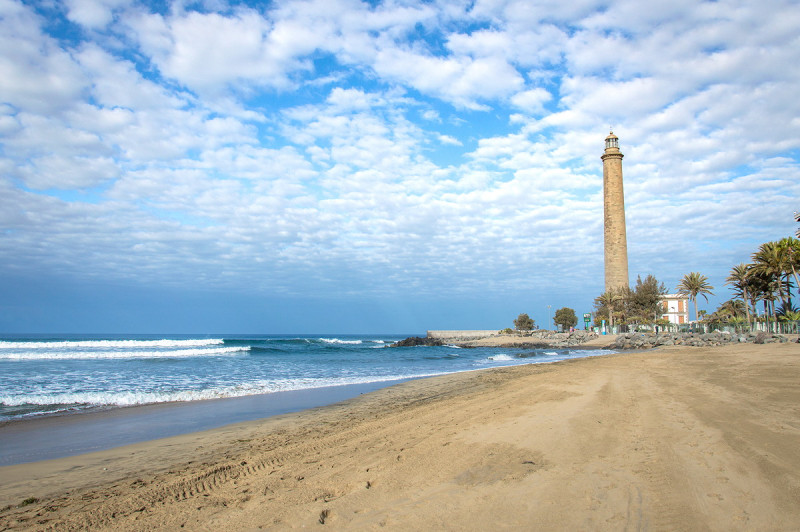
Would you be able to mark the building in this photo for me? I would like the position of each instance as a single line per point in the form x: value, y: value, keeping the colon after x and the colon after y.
x: 614, y: 235
x: 676, y: 308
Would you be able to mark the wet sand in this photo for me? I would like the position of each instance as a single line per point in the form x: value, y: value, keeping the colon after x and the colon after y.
x: 673, y: 439
x: 49, y: 437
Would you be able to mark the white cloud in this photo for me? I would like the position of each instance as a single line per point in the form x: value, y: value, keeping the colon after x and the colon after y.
x: 448, y: 139
x: 340, y: 147
x: 93, y: 14
x: 56, y: 171
x: 462, y: 81
x: 36, y: 74
x: 207, y: 51
x: 345, y: 100
x: 431, y: 116
x: 532, y: 101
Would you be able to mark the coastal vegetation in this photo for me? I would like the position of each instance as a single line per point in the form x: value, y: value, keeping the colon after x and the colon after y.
x: 524, y: 323
x: 565, y: 318
x: 640, y: 305
x: 765, y: 294
x: 694, y: 284
x: 769, y: 281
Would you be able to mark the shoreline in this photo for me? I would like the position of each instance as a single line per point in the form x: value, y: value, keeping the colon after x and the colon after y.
x: 69, y: 433
x: 699, y: 438
x: 63, y: 435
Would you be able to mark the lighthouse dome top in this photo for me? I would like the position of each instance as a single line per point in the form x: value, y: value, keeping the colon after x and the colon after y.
x: 612, y: 141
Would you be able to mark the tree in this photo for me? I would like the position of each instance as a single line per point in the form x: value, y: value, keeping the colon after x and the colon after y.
x: 692, y: 285
x: 740, y: 279
x: 790, y: 250
x: 604, y: 303
x: 624, y: 306
x: 763, y: 288
x: 737, y: 322
x: 566, y: 318
x: 645, y: 301
x: 732, y: 308
x: 611, y: 304
x: 772, y: 262
x: 523, y: 323
x: 797, y: 219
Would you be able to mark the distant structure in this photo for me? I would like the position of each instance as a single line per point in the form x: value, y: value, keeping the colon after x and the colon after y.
x: 616, y: 241
x: 676, y: 308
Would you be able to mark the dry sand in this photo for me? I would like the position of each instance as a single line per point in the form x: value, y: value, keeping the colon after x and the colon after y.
x: 674, y: 439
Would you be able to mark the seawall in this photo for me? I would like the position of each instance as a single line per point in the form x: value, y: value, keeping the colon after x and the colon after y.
x: 462, y: 335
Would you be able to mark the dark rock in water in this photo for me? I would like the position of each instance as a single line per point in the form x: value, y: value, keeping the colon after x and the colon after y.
x: 416, y: 340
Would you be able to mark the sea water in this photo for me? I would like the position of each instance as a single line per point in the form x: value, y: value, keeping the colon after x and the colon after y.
x: 47, y: 375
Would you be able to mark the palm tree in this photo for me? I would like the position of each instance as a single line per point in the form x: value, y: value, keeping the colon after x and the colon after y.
x: 790, y: 250
x: 609, y: 300
x: 739, y: 279
x: 606, y: 299
x: 792, y: 316
x: 732, y: 308
x: 771, y: 261
x: 737, y: 321
x: 692, y: 285
x: 797, y: 219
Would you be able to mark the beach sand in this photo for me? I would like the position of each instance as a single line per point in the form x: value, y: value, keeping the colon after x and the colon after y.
x: 672, y: 439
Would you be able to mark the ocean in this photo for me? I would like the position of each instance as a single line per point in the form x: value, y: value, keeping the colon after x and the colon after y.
x: 47, y: 375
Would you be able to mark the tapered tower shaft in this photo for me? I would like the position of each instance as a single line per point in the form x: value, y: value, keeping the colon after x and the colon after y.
x: 615, y: 238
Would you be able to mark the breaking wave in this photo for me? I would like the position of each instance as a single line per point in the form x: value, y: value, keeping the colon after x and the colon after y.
x: 87, y: 355
x: 111, y: 344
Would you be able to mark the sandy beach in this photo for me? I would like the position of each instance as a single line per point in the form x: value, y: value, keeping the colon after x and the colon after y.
x: 671, y: 439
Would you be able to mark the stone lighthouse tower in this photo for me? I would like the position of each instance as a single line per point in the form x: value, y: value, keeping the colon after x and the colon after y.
x: 616, y: 241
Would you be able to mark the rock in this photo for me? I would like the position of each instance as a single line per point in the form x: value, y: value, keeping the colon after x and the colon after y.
x: 649, y: 340
x: 416, y: 340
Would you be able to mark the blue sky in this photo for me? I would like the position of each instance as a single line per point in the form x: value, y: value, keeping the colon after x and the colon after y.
x: 346, y: 166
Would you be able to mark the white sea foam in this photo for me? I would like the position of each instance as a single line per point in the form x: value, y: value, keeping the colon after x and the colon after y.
x: 110, y: 344
x: 501, y: 358
x: 551, y: 353
x: 337, y: 341
x: 77, y: 355
x: 111, y: 398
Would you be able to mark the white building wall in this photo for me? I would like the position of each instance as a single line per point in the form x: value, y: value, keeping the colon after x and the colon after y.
x: 676, y: 308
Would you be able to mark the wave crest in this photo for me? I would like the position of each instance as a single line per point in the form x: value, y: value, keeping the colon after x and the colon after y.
x: 81, y: 355
x: 119, y: 344
x: 338, y: 341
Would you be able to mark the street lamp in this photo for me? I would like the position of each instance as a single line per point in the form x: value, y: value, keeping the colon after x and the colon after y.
x: 548, y: 317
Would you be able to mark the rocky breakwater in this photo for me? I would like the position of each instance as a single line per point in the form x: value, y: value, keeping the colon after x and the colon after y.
x: 650, y: 340
x: 527, y: 340
x: 564, y: 339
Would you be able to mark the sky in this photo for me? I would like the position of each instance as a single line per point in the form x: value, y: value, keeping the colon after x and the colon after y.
x: 343, y: 166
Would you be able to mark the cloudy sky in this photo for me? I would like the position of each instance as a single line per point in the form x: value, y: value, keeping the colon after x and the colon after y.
x: 348, y: 166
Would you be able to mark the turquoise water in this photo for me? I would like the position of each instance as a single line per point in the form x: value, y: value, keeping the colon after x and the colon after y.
x: 45, y: 375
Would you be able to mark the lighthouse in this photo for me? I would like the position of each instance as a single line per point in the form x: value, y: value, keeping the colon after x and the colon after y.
x: 614, y: 236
